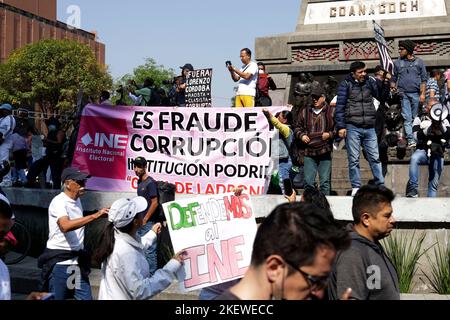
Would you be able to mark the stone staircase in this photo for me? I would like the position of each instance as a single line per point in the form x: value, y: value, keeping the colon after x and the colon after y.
x: 340, y: 182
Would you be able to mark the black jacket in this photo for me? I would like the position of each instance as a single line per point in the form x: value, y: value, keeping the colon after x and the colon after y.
x: 355, y: 102
x: 50, y: 258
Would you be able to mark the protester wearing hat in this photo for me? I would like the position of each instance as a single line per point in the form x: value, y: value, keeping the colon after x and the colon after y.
x: 431, y: 129
x: 125, y: 272
x: 180, y: 90
x: 7, y: 126
x: 315, y: 130
x: 65, y: 246
x: 355, y: 119
x: 246, y: 77
x: 148, y: 188
x: 409, y: 79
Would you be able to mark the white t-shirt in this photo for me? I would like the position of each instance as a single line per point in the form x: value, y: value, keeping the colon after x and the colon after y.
x: 7, y: 126
x: 61, y: 206
x: 248, y: 87
x: 5, y: 286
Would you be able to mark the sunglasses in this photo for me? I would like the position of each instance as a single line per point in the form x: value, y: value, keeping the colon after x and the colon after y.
x: 80, y: 182
x: 314, y: 282
x: 314, y: 97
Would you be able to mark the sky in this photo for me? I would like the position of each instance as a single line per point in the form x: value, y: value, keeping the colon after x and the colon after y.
x: 205, y: 33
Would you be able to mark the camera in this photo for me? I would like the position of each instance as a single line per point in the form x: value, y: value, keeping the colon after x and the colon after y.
x: 228, y: 64
x: 169, y: 82
x: 120, y: 90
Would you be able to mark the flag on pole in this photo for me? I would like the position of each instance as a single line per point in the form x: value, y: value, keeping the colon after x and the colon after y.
x: 383, y: 50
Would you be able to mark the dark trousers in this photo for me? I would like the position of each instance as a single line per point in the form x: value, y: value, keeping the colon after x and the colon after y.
x: 41, y: 165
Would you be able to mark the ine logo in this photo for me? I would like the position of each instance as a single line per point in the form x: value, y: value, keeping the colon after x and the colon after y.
x: 101, y: 140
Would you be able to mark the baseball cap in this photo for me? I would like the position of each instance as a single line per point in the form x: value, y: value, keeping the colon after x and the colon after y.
x: 6, y: 106
x: 74, y: 174
x: 188, y: 66
x: 123, y: 211
x: 140, y: 162
x: 317, y: 91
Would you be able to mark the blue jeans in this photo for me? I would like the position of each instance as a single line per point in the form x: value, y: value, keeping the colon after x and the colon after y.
x: 150, y: 253
x: 284, y: 172
x: 322, y: 164
x: 435, y: 165
x: 63, y: 288
x: 410, y: 108
x: 368, y: 139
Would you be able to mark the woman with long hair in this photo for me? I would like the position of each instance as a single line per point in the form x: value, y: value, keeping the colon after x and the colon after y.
x: 125, y: 271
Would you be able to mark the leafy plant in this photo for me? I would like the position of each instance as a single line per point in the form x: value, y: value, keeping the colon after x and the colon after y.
x: 51, y: 73
x: 439, y: 276
x: 404, y: 252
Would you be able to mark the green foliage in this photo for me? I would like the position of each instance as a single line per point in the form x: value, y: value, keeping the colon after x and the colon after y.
x: 439, y: 276
x: 404, y: 252
x: 51, y: 73
x: 150, y: 69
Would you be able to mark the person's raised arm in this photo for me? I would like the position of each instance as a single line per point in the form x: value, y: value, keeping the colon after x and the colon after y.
x: 67, y: 225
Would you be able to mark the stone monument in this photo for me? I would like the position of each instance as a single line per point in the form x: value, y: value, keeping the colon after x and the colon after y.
x: 330, y: 35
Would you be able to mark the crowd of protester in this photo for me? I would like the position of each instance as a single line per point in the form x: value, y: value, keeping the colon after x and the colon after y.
x: 321, y: 118
x: 311, y: 257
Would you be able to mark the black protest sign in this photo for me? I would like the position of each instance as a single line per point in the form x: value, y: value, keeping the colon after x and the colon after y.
x: 198, y: 88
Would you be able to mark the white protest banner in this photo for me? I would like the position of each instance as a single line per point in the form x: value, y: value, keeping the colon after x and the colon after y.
x: 217, y: 233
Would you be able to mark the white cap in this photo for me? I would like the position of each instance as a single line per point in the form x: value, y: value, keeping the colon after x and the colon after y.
x: 124, y: 210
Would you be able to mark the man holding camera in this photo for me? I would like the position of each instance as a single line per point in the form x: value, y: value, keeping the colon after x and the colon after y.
x: 180, y: 91
x: 246, y: 77
x: 141, y: 96
x: 431, y: 131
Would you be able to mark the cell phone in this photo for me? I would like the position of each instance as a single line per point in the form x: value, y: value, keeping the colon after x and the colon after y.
x: 228, y: 64
x: 288, y: 187
x: 50, y: 296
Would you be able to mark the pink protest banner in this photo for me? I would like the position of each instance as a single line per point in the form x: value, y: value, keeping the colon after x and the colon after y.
x: 201, y: 151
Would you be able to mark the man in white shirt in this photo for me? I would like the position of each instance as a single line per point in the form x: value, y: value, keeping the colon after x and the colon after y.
x: 246, y: 77
x: 7, y: 126
x: 65, y: 264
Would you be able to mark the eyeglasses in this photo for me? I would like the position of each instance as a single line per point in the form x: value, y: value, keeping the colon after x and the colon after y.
x: 80, y: 182
x: 314, y: 282
x: 314, y: 97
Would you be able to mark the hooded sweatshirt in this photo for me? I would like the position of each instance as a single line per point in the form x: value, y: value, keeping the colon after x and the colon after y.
x: 366, y: 269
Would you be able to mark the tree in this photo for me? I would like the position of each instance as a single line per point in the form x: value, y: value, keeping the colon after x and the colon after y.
x: 51, y: 73
x: 150, y: 69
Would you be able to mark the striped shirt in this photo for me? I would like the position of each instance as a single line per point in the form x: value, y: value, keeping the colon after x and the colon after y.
x: 314, y: 126
x: 432, y: 84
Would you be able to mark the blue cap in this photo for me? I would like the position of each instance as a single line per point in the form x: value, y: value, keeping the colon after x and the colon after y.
x: 6, y: 106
